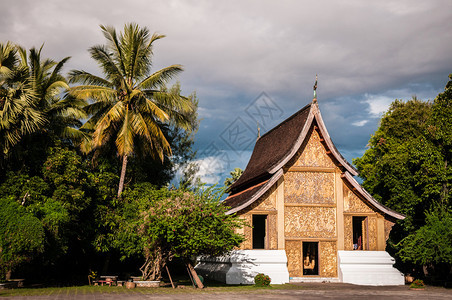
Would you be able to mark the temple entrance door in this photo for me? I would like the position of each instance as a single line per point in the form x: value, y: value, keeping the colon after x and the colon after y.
x: 360, y: 233
x: 302, y: 258
x: 310, y: 258
x: 259, y: 231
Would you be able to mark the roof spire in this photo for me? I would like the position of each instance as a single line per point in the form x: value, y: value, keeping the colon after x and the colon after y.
x: 315, y: 90
x: 258, y: 131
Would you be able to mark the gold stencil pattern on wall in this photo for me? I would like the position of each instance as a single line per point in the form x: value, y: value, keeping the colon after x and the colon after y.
x: 388, y: 227
x: 348, y: 233
x: 317, y: 222
x: 328, y: 254
x: 314, y: 154
x: 309, y: 187
x: 352, y: 203
x: 294, y: 260
x: 248, y: 232
x: 372, y: 233
x: 266, y: 202
x: 272, y: 231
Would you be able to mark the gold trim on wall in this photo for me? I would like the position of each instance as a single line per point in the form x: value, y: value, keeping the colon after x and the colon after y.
x: 311, y: 239
x: 263, y: 212
x: 361, y: 214
x: 310, y: 205
x: 311, y: 169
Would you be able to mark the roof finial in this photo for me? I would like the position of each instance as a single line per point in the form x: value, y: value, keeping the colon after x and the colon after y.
x: 315, y: 90
x: 258, y: 131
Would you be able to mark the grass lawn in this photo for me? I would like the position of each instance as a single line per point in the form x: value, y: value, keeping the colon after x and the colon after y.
x: 82, y: 290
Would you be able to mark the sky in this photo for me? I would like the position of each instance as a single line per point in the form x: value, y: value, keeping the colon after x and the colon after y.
x: 253, y: 63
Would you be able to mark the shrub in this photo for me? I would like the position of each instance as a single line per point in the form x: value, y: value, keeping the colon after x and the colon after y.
x: 417, y: 284
x: 262, y: 280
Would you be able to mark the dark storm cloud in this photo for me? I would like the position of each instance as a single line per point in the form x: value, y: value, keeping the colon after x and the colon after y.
x: 366, y: 53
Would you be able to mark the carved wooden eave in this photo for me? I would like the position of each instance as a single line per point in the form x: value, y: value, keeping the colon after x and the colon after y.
x: 261, y: 189
x: 360, y: 191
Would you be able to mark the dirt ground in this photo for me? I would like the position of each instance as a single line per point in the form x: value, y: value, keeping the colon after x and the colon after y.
x: 306, y: 291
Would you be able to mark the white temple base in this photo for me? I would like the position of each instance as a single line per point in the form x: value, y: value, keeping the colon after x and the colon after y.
x: 241, y: 266
x: 368, y: 268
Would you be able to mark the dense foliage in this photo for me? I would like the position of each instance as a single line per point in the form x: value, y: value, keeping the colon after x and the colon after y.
x: 431, y: 244
x: 21, y: 236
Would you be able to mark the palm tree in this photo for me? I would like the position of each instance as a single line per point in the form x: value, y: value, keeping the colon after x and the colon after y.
x: 130, y: 104
x: 18, y: 113
x: 63, y: 114
x: 30, y: 97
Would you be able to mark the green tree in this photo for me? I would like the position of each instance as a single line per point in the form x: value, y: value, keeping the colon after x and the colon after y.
x: 21, y: 236
x: 391, y: 167
x: 407, y: 167
x: 235, y: 175
x: 163, y: 224
x: 431, y: 244
x: 440, y: 131
x: 130, y: 105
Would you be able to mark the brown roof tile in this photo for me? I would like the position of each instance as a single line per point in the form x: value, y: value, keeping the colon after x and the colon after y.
x: 270, y: 149
x: 242, y: 196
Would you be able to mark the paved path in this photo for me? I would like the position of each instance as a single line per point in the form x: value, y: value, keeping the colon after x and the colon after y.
x: 309, y: 291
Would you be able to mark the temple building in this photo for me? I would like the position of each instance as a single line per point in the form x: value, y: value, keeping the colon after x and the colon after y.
x: 308, y: 218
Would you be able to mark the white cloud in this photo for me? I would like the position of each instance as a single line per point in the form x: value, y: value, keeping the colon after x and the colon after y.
x: 360, y: 123
x: 210, y: 170
x: 377, y: 104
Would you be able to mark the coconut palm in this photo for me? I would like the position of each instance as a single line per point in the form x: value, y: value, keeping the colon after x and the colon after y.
x: 62, y: 114
x: 130, y: 104
x: 31, y: 97
x: 18, y: 113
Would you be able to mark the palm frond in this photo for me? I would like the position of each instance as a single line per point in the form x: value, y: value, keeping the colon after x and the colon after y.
x: 150, y: 107
x: 169, y: 101
x: 98, y: 93
x: 124, y: 140
x: 114, y: 45
x: 113, y: 115
x: 160, y: 78
x: 85, y: 78
x: 108, y: 64
x: 55, y: 76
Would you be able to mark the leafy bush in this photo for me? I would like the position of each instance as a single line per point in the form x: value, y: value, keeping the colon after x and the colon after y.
x: 431, y: 243
x: 417, y: 284
x: 262, y: 280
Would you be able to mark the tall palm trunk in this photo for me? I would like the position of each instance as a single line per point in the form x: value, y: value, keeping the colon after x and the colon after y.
x: 123, y: 175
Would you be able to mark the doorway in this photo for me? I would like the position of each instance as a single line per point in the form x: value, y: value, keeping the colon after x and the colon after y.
x: 259, y: 231
x: 359, y: 233
x: 310, y: 258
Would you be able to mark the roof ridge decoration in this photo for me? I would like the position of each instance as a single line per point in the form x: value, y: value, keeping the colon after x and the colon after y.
x: 314, y: 100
